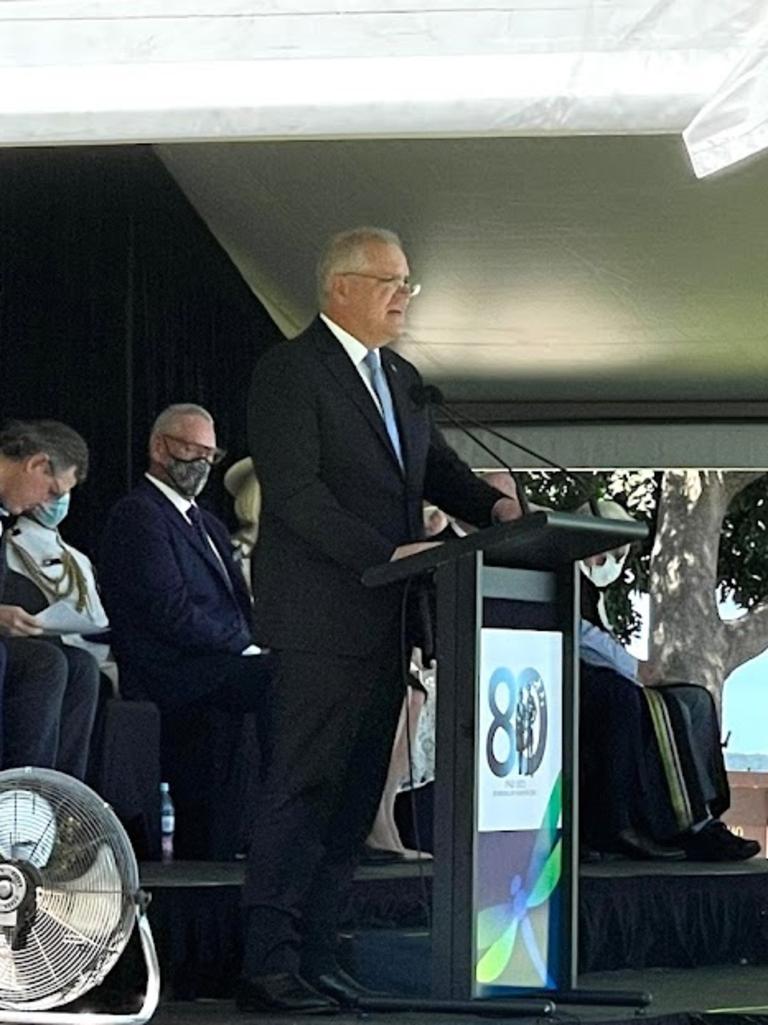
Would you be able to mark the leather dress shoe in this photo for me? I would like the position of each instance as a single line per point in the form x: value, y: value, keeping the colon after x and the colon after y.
x: 339, y: 985
x: 715, y: 842
x: 282, y: 992
x: 638, y: 845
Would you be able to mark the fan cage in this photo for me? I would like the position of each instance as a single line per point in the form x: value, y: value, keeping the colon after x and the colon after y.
x: 84, y: 882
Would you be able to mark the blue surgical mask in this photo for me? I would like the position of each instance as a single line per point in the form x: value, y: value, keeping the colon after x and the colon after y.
x: 50, y: 514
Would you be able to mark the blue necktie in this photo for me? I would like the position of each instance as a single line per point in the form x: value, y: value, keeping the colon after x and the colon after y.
x: 383, y: 394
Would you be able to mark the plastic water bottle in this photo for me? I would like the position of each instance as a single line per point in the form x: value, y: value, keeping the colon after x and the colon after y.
x: 167, y: 822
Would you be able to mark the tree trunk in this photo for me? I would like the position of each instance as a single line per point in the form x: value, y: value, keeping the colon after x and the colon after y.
x: 688, y: 639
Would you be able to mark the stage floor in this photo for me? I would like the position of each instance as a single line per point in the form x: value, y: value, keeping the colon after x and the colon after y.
x: 232, y: 873
x: 680, y: 996
x: 632, y: 915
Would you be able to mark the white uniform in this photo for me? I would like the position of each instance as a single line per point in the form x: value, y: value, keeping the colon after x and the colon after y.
x: 30, y: 542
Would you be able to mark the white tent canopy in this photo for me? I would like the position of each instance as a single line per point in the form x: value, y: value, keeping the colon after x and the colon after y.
x: 528, y: 152
x: 80, y: 71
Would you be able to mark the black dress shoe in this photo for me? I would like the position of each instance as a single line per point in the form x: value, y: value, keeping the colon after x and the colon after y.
x: 638, y: 845
x: 283, y: 992
x: 339, y: 985
x: 715, y: 842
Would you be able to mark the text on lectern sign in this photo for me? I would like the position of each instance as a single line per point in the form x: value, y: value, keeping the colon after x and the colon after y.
x: 518, y: 810
x: 519, y: 741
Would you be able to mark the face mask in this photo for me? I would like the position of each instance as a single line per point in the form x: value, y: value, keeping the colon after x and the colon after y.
x: 188, y: 476
x: 50, y: 514
x: 608, y: 573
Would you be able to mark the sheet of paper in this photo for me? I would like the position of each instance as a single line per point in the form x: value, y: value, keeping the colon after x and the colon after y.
x: 61, y: 618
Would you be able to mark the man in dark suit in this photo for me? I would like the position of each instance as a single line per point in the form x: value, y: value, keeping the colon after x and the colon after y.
x: 344, y: 457
x: 51, y: 691
x: 179, y: 609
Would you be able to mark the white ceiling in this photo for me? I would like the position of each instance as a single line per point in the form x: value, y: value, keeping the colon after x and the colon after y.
x: 519, y: 147
x: 85, y: 71
x: 552, y: 269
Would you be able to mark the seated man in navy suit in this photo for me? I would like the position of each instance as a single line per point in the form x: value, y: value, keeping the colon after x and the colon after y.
x: 182, y: 632
x: 180, y: 614
x: 178, y: 605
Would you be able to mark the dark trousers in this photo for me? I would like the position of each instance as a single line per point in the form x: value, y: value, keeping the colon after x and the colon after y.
x: 209, y: 744
x: 3, y: 660
x: 612, y: 741
x: 330, y: 726
x: 686, y: 757
x: 636, y: 774
x: 233, y: 683
x: 51, y: 695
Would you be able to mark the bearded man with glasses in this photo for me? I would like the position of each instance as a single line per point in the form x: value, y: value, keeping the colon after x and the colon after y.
x: 344, y: 457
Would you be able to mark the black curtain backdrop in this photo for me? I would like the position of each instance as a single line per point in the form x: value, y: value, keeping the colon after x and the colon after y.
x: 116, y: 300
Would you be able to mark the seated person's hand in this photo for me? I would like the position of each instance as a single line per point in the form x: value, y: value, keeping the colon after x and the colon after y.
x: 403, y: 551
x: 16, y: 622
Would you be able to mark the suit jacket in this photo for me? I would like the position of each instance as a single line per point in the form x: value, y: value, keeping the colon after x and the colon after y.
x: 3, y: 555
x: 165, y: 593
x: 334, y: 499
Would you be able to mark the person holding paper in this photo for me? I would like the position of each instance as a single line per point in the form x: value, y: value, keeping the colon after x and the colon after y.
x: 51, y: 691
x: 56, y: 581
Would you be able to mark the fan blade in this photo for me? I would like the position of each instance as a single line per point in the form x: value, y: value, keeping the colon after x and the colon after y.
x: 90, y: 905
x: 27, y: 827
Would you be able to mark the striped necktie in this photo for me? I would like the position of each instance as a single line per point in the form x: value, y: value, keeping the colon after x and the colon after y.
x: 383, y: 394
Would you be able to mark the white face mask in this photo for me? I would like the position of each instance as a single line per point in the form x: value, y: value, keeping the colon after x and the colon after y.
x: 608, y: 573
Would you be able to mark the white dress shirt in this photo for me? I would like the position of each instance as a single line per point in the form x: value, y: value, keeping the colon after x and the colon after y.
x: 356, y: 352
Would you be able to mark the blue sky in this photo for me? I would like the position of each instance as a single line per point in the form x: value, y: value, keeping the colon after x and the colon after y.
x: 745, y: 707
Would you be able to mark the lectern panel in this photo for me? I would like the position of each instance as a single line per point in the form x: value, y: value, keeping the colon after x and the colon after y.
x: 518, y: 900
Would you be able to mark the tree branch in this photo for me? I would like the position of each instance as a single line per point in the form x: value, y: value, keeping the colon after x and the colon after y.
x: 748, y: 636
x: 735, y: 481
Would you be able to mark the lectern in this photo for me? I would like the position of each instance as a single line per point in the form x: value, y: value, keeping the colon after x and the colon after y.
x: 505, y: 879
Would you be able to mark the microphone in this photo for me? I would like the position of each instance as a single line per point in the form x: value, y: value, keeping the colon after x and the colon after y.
x: 429, y: 395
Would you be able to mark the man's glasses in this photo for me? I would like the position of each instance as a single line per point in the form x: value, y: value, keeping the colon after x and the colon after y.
x: 193, y: 451
x: 396, y: 281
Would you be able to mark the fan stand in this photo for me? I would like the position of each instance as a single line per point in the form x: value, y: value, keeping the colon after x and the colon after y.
x: 145, y: 1012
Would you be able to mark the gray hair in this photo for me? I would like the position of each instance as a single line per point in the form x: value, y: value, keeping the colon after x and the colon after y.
x: 346, y: 251
x: 66, y: 449
x: 165, y: 421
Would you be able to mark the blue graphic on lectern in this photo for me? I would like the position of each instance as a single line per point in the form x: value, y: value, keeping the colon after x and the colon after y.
x: 509, y: 945
x: 517, y: 899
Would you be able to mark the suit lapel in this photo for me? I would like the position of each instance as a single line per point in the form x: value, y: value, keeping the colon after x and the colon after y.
x: 349, y: 379
x: 187, y: 531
